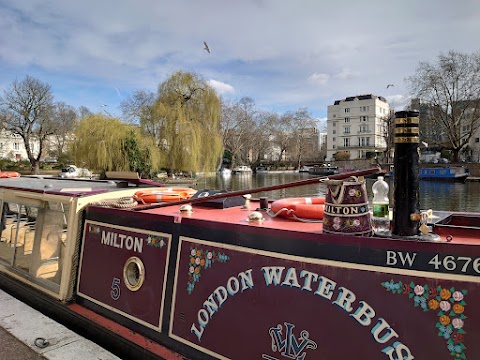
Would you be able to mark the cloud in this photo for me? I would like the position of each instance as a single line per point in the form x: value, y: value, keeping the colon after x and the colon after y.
x: 319, y: 78
x: 221, y: 87
x: 346, y: 74
x: 86, y: 49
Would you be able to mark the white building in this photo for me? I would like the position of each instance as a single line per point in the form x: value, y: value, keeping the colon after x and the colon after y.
x: 357, y: 125
x: 12, y: 147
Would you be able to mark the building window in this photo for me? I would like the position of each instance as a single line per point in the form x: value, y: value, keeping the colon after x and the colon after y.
x: 347, y: 119
x: 333, y: 146
x: 334, y: 115
x: 347, y: 110
x: 334, y: 132
x: 334, y: 139
x: 334, y: 124
x: 364, y: 108
x: 346, y: 142
x: 364, y: 128
x: 363, y: 118
x: 16, y: 146
x: 476, y: 140
x: 346, y: 130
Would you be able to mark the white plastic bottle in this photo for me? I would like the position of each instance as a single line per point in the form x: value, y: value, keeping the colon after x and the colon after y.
x: 380, y: 202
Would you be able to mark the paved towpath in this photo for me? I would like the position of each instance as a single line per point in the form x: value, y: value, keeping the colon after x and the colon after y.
x: 21, y: 327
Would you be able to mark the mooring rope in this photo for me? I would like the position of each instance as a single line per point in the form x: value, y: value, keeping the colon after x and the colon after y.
x: 272, y: 214
x: 124, y: 202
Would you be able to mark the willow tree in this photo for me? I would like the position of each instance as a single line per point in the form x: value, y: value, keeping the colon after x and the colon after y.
x: 188, y: 114
x: 107, y: 144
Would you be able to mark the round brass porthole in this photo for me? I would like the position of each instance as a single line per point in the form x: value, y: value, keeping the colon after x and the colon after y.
x: 133, y: 273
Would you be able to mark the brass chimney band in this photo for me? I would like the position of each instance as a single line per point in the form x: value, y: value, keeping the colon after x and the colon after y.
x: 407, y: 121
x: 407, y: 130
x: 406, y: 140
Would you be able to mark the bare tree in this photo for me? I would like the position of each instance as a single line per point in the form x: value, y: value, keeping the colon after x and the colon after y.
x: 450, y: 87
x: 304, y: 135
x: 65, y: 118
x: 282, y: 133
x: 84, y: 112
x: 140, y: 109
x: 237, y: 128
x: 25, y: 110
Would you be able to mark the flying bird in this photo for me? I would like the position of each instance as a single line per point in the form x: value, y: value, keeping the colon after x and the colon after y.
x: 389, y: 85
x: 205, y: 47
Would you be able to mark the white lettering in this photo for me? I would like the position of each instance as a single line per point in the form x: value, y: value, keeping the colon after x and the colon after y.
x: 138, y: 247
x: 246, y: 279
x: 197, y: 332
x: 401, y: 351
x: 345, y: 299
x: 291, y: 278
x: 221, y: 295
x: 233, y: 285
x: 325, y: 288
x: 377, y: 329
x: 272, y: 274
x: 391, y: 257
x: 107, y: 238
x: 364, y: 314
x: 408, y: 258
x: 129, y: 243
x: 210, y: 305
x: 203, y: 317
x: 120, y: 241
x: 308, y: 279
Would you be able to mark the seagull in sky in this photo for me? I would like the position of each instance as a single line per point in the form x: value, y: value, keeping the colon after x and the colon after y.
x: 205, y: 47
x: 389, y: 85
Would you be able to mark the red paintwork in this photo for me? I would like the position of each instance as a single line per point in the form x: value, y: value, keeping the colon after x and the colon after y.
x: 126, y: 333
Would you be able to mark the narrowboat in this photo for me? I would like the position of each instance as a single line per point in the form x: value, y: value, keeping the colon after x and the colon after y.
x: 448, y: 173
x: 223, y: 276
x: 323, y: 170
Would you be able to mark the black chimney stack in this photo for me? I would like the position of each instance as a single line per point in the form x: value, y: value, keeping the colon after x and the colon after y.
x: 406, y: 207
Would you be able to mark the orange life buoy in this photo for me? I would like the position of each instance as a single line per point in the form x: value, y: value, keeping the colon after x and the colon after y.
x: 9, y: 174
x: 163, y: 194
x: 305, y: 208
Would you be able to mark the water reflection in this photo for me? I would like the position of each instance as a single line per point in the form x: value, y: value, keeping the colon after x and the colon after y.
x: 433, y: 195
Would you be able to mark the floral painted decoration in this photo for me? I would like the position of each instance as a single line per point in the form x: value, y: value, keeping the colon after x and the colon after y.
x: 201, y: 259
x: 94, y: 229
x: 450, y: 305
x: 157, y: 241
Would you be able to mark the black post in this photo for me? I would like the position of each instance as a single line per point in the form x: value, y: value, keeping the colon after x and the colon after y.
x: 406, y: 207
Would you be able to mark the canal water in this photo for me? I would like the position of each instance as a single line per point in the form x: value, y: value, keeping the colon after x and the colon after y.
x: 433, y: 195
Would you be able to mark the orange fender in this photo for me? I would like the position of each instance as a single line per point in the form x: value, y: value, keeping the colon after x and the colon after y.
x: 163, y: 194
x: 305, y: 208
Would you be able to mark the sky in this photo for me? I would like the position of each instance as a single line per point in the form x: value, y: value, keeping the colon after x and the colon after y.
x: 285, y: 55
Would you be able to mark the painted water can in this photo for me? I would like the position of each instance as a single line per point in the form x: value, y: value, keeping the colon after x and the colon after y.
x: 346, y: 208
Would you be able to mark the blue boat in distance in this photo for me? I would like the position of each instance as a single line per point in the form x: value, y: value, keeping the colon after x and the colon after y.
x: 439, y: 173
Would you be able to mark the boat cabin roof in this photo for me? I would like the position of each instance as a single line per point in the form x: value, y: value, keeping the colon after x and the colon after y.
x: 67, y: 187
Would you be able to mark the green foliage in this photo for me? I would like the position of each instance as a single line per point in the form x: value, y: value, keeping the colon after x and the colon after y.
x: 188, y: 116
x: 106, y: 144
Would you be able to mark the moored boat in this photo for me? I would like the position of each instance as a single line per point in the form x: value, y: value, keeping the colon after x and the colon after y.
x: 439, y: 173
x: 242, y: 169
x: 261, y: 170
x: 323, y: 170
x: 449, y: 173
x: 203, y: 278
